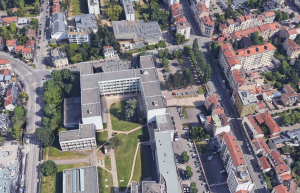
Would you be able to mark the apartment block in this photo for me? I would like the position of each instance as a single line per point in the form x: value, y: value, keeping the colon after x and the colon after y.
x: 292, y: 49
x: 182, y: 25
x: 265, y: 164
x: 128, y: 10
x: 211, y: 102
x: 261, y: 147
x: 207, y: 26
x: 27, y: 53
x: 83, y: 22
x: 78, y: 36
x: 252, y: 127
x: 239, y: 180
x: 245, y: 103
x: 279, y: 165
x: 94, y: 7
x: 217, y: 122
x: 290, y: 97
x: 79, y: 139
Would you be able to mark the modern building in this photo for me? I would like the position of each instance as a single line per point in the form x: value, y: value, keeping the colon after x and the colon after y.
x: 239, y: 180
x: 252, y: 127
x: 128, y: 10
x: 11, y: 44
x: 72, y: 112
x: 27, y: 53
x: 94, y: 7
x: 108, y: 51
x: 22, y: 21
x: 84, y: 179
x: 5, y: 124
x: 292, y: 49
x: 83, y: 22
x: 79, y: 139
x: 245, y: 103
x: 78, y: 36
x: 207, y: 26
x: 10, y: 161
x: 59, y: 58
x: 59, y: 30
x: 137, y: 31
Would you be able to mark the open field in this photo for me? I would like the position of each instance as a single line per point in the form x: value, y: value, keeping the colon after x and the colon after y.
x: 117, y: 118
x: 77, y: 7
x: 139, y: 13
x: 101, y: 137
x: 30, y: 12
x: 125, y: 154
x: 142, y: 168
x: 104, y: 175
x: 53, y: 184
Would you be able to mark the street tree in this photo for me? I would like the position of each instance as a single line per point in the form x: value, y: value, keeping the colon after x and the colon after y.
x: 179, y: 39
x: 66, y: 74
x: 48, y: 168
x: 166, y: 52
x: 56, y: 75
x: 16, y: 131
x: 160, y: 54
x: 285, y: 120
x: 180, y: 61
x: 165, y: 61
x: 45, y: 135
x: 193, y: 185
x: 185, y: 157
x: 186, y: 50
x: 114, y: 142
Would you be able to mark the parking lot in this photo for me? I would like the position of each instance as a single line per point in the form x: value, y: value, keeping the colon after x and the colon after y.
x: 216, y: 8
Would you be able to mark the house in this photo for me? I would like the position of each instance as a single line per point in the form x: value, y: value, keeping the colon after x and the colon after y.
x: 18, y: 49
x: 268, y: 120
x: 265, y: 164
x: 252, y: 127
x: 260, y: 107
x: 292, y: 49
x: 11, y: 44
x: 5, y: 124
x: 55, y: 8
x: 289, y: 33
x: 27, y: 53
x: 108, y: 51
x: 280, y: 189
x: 4, y: 64
x: 289, y: 183
x: 22, y: 21
x: 12, y: 97
x: 290, y: 97
x: 9, y: 20
x: 237, y: 4
x: 30, y: 33
x: 59, y: 30
x: 2, y: 45
x: 279, y: 165
x: 30, y: 44
x: 260, y: 147
x: 59, y: 58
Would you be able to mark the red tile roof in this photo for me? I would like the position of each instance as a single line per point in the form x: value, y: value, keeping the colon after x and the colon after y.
x: 207, y: 20
x: 277, y: 157
x: 30, y: 43
x: 281, y: 189
x: 239, y: 78
x: 14, y: 10
x: 26, y: 50
x: 221, y: 135
x: 286, y: 177
x: 19, y: 48
x: 260, y: 143
x: 289, y: 88
x: 268, y: 14
x: 230, y: 56
x: 11, y: 42
x: 107, y: 47
x: 234, y: 150
x: 213, y: 99
x: 255, y: 49
x: 261, y: 105
x: 175, y: 6
x: 4, y: 72
x: 56, y: 8
x: 55, y: 1
x: 282, y: 168
x: 264, y: 163
x: 265, y: 27
x: 270, y: 122
x: 2, y: 61
x: 219, y: 111
x: 8, y: 100
x: 202, y: 7
x: 254, y: 124
x: 30, y: 32
x: 8, y: 20
x: 242, y: 191
x: 274, y: 26
x: 259, y: 119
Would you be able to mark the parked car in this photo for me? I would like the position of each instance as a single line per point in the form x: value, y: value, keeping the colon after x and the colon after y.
x: 222, y: 171
x: 263, y: 182
x: 193, y: 150
x: 203, y: 183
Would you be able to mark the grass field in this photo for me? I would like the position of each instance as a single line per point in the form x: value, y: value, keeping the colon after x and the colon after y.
x: 107, y: 162
x: 77, y: 7
x: 139, y: 13
x: 117, y: 118
x: 142, y: 168
x: 30, y: 12
x: 102, y: 175
x: 101, y: 137
x: 125, y: 154
x: 53, y: 184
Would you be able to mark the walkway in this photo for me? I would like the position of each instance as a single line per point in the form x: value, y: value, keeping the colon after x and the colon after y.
x: 71, y: 161
x: 130, y: 131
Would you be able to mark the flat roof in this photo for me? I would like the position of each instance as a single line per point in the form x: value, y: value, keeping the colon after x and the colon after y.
x: 117, y: 75
x: 246, y: 98
x: 147, y: 74
x: 72, y: 110
x: 90, y: 96
x: 151, y: 89
x: 156, y: 102
x: 90, y: 81
x: 86, y: 68
x: 115, y: 65
x: 8, y: 152
x: 164, y: 122
x: 81, y: 180
x: 91, y: 110
x: 146, y: 61
x: 165, y: 159
x: 84, y: 131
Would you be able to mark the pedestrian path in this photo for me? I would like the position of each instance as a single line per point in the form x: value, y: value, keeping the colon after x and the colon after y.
x: 130, y: 131
x: 71, y: 161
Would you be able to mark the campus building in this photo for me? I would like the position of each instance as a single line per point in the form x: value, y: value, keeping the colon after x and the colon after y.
x: 94, y: 7
x: 83, y: 179
x: 79, y: 139
x: 128, y: 10
x: 245, y: 103
x: 72, y: 112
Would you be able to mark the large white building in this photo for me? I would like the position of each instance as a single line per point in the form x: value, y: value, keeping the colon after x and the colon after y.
x: 59, y: 30
x: 128, y: 10
x: 94, y: 7
x: 78, y: 36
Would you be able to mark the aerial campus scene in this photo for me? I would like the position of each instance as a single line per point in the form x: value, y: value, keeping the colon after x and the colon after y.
x: 150, y: 96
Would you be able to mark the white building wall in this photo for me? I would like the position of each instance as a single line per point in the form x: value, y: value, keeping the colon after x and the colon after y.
x: 130, y: 17
x: 79, y: 38
x: 59, y: 36
x: 97, y: 120
x: 152, y: 113
x: 94, y: 9
x: 221, y: 129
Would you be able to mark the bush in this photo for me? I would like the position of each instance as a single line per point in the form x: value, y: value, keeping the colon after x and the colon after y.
x: 48, y: 168
x: 104, y: 125
x: 193, y: 185
x: 143, y: 49
x: 151, y: 47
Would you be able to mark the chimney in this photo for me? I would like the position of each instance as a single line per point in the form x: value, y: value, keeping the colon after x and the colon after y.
x: 257, y: 49
x: 248, y: 51
x: 266, y: 47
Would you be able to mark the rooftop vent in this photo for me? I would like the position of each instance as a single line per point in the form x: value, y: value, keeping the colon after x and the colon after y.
x: 257, y: 49
x: 266, y: 47
x: 145, y: 72
x: 155, y: 103
x: 90, y: 111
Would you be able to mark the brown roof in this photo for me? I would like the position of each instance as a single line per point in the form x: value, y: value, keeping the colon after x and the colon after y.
x: 281, y: 189
x: 26, y: 50
x: 268, y: 14
x: 264, y: 163
x: 55, y: 1
x: 9, y: 19
x: 289, y: 88
x: 282, y: 168
x: 19, y: 48
x: 254, y: 124
x: 207, y: 20
x: 270, y: 122
x: 234, y: 150
x: 14, y: 10
x: 277, y: 157
x: 11, y: 42
x: 213, y: 99
x: 293, y: 31
x: 56, y: 8
x: 30, y: 43
x: 5, y: 71
x: 274, y: 26
x: 242, y: 191
x: 255, y: 49
x: 286, y: 177
x: 265, y: 27
x: 239, y: 78
x: 261, y: 105
x: 221, y: 135
x: 202, y: 7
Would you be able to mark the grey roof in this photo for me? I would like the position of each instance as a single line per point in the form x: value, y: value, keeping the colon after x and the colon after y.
x: 84, y: 131
x: 1, y: 77
x: 128, y: 8
x: 22, y: 20
x: 56, y: 54
x: 151, y: 186
x: 89, y: 96
x: 90, y: 81
x: 151, y: 89
x: 107, y: 76
x: 271, y: 6
x: 7, y: 77
x: 246, y: 98
x: 238, y: 2
x: 58, y: 26
x: 147, y: 75
x: 223, y: 4
x: 86, y: 68
x: 115, y: 65
x: 165, y: 159
x: 294, y: 133
x: 247, y: 11
x: 156, y: 102
x: 91, y: 110
x: 147, y: 62
x: 137, y: 30
x: 164, y: 122
x: 58, y: 16
x: 72, y: 110
x: 81, y: 180
x: 87, y: 21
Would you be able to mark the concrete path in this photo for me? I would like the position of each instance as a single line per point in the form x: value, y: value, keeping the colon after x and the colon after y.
x: 133, y: 164
x: 114, y: 171
x: 130, y: 131
x: 104, y: 169
x: 71, y: 161
x: 102, y: 145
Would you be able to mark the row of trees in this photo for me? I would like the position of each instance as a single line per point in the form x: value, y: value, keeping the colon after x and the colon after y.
x: 291, y: 118
x: 178, y: 80
x: 199, y: 133
x: 20, y: 4
x: 18, y: 121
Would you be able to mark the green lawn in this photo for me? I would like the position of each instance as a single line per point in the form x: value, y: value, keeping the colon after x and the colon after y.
x: 30, y: 12
x: 125, y: 154
x: 102, y: 175
x: 77, y: 7
x: 107, y: 162
x: 142, y: 168
x: 184, y: 111
x: 101, y: 137
x: 53, y: 184
x: 117, y: 118
x: 201, y: 90
x: 139, y: 13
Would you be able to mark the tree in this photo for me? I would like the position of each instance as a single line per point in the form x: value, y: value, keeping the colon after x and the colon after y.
x: 74, y: 46
x: 166, y: 52
x: 154, y: 7
x: 37, y: 7
x: 34, y: 23
x: 188, y: 77
x: 286, y: 149
x: 278, y: 85
x: 9, y: 13
x: 294, y: 78
x: 214, y: 51
x: 19, y: 110
x: 48, y: 168
x: 228, y: 12
x: 179, y: 39
x: 16, y: 131
x: 255, y: 38
x: 186, y: 50
x: 285, y: 120
x: 66, y: 74
x: 160, y: 54
x: 45, y: 135
x: 292, y: 15
x: 193, y: 185
x: 130, y: 109
x: 177, y: 80
x: 194, y: 190
x: 175, y: 54
x: 185, y: 157
x: 114, y: 142
x: 278, y: 16
x: 145, y: 16
x: 284, y: 68
x: 56, y: 75
x: 3, y: 4
x: 49, y: 110
x: 113, y: 12
x: 23, y: 95
x: 285, y: 16
x: 77, y: 58
x: 53, y: 95
x: 12, y: 27
x: 165, y: 61
x: 189, y: 174
x: 180, y: 61
x: 235, y: 45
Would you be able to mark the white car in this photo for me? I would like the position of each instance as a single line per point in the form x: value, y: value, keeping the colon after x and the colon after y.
x: 222, y: 171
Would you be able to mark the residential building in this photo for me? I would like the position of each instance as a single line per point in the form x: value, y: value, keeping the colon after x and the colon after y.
x: 271, y: 6
x: 265, y: 164
x: 280, y: 189
x: 83, y: 22
x: 245, y: 103
x: 5, y: 124
x: 237, y: 4
x: 260, y: 107
x: 30, y: 44
x: 4, y: 64
x: 57, y: 17
x: 206, y: 26
x: 278, y: 1
x: 182, y: 25
x: 59, y: 58
x: 108, y: 51
x: 260, y: 147
x: 2, y: 45
x: 30, y: 33
x: 59, y: 30
x: 78, y: 36
x: 94, y: 7
x: 27, y: 53
x: 290, y: 97
x: 10, y: 162
x: 200, y: 10
x: 235, y: 79
x: 289, y: 33
x: 183, y: 28
x: 268, y: 120
x: 80, y: 139
x: 72, y: 112
x: 279, y: 165
x: 289, y: 183
x: 14, y: 10
x: 12, y: 97
x: 84, y: 179
x: 18, y: 49
x: 211, y: 102
x: 22, y: 21
x: 11, y: 44
x: 239, y: 180
x: 56, y: 8
x: 55, y: 1
x: 171, y: 2
x: 292, y: 49
x: 9, y: 20
x: 297, y: 20
x: 217, y: 122
x: 252, y: 127
x: 137, y: 31
x: 128, y: 10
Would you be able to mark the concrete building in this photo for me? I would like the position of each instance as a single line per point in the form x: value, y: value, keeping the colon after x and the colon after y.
x: 5, y: 124
x: 137, y: 31
x: 22, y: 21
x: 292, y: 49
x: 211, y: 102
x: 147, y: 186
x: 78, y: 36
x: 10, y: 161
x: 11, y: 44
x: 115, y: 65
x: 83, y: 179
x: 252, y: 127
x: 57, y: 17
x: 245, y: 103
x: 59, y: 30
x: 27, y: 53
x: 94, y: 7
x: 83, y: 22
x: 59, y: 58
x: 108, y: 51
x: 207, y: 26
x: 79, y: 139
x: 72, y: 112
x: 128, y: 10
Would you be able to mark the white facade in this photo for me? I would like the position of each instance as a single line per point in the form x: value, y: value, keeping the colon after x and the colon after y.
x: 239, y: 180
x: 128, y: 10
x: 184, y: 30
x: 78, y: 36
x: 58, y: 30
x: 207, y: 3
x: 93, y: 7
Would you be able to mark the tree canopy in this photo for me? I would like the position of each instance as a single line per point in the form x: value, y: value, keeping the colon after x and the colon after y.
x: 45, y: 135
x: 48, y: 168
x: 130, y: 110
x: 113, y: 11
